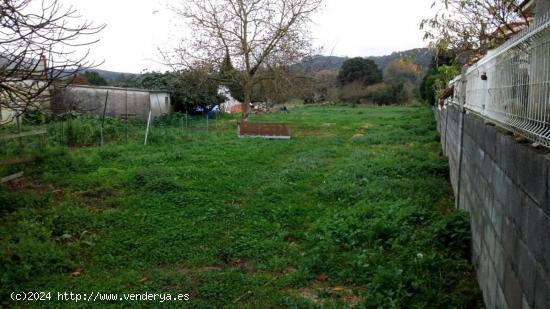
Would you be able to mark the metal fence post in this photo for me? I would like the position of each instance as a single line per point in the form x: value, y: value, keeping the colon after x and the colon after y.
x: 462, y: 101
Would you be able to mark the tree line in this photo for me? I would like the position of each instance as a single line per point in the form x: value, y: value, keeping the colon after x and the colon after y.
x: 359, y: 80
x: 252, y: 47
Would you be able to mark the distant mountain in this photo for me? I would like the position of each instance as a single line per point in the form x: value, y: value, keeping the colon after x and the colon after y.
x: 422, y: 56
x: 110, y: 76
x: 319, y: 63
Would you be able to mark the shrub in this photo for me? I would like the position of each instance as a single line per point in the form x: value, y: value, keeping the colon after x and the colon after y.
x: 452, y: 233
x: 359, y: 70
x: 385, y: 94
x: 353, y: 92
x: 435, y: 81
x: 381, y: 93
x: 34, y: 117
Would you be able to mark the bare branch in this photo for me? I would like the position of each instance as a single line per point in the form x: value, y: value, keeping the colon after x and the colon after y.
x: 257, y: 35
x: 471, y: 27
x: 39, y: 46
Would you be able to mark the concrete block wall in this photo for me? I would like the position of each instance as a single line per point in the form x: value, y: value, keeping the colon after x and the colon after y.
x: 505, y: 187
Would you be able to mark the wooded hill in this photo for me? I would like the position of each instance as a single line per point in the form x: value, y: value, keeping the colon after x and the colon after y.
x: 422, y: 56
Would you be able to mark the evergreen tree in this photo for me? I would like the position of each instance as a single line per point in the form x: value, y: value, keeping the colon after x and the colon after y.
x: 361, y: 70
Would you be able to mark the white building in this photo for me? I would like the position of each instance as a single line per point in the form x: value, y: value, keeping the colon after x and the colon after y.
x: 117, y: 102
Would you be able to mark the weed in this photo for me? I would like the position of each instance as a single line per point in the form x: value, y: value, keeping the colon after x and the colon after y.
x: 358, y: 214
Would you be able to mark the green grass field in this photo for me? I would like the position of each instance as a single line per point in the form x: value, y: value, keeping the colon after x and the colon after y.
x: 355, y: 210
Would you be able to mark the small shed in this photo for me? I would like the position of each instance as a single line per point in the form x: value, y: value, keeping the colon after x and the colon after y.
x: 117, y: 102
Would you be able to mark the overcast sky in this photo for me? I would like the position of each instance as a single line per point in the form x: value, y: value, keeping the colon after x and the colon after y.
x: 137, y: 28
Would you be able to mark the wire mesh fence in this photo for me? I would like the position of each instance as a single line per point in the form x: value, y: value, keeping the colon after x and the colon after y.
x: 511, y: 84
x: 25, y: 143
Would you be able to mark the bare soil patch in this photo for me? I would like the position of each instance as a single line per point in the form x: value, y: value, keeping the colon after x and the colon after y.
x: 97, y: 198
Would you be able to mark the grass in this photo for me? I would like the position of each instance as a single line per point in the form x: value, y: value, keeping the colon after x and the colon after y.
x: 354, y: 210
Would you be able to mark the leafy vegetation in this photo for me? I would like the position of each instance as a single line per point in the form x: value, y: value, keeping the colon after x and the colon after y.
x: 360, y: 81
x: 387, y: 93
x: 422, y: 56
x: 354, y: 210
x: 95, y: 79
x: 436, y: 81
x: 471, y: 27
x: 359, y: 70
x: 313, y: 80
x: 442, y: 70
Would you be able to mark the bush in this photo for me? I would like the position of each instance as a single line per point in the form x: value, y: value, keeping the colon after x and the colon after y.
x: 385, y: 94
x: 34, y: 117
x: 381, y: 93
x: 452, y: 233
x: 435, y: 81
x: 354, y: 92
x: 359, y: 70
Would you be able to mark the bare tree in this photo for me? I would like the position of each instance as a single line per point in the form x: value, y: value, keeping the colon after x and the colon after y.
x: 255, y: 35
x: 471, y: 27
x: 40, y: 43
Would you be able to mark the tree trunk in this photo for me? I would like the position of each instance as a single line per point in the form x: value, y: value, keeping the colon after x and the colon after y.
x: 247, y: 98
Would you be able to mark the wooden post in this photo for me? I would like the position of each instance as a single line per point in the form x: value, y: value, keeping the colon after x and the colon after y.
x: 103, y: 119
